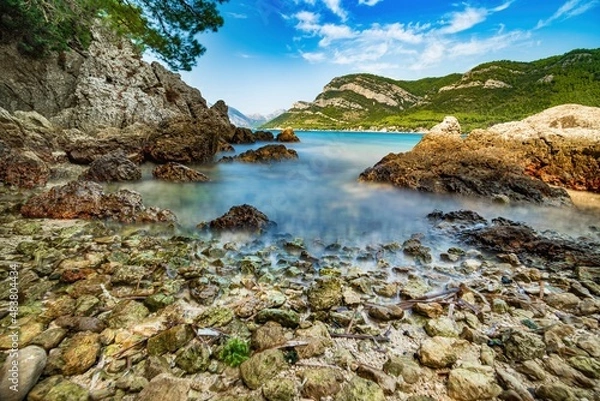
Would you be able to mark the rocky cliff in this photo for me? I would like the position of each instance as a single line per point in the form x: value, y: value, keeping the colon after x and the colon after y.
x: 88, y: 104
x: 107, y: 85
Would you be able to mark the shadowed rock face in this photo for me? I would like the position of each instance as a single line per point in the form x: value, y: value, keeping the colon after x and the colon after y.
x: 178, y: 173
x: 86, y: 200
x: 446, y: 163
x: 112, y: 167
x: 266, y: 154
x: 240, y: 218
x: 185, y: 140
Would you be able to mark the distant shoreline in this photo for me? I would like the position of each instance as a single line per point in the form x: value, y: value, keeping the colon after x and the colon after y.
x: 351, y: 131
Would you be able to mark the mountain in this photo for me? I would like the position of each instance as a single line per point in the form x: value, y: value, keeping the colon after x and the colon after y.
x: 253, y: 120
x: 490, y: 93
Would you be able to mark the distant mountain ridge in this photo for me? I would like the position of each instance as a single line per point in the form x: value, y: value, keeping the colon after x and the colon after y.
x: 239, y: 119
x: 490, y: 93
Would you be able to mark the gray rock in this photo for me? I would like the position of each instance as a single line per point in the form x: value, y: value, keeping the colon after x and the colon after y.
x: 57, y: 388
x: 20, y: 373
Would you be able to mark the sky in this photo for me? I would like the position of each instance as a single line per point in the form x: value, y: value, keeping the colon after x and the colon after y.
x: 272, y: 53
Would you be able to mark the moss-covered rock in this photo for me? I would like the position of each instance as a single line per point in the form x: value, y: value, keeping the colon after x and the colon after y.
x: 170, y: 340
x: 280, y: 390
x: 325, y: 293
x: 127, y: 313
x: 80, y: 353
x: 359, y: 389
x: 320, y: 383
x: 473, y: 382
x: 286, y: 318
x: 215, y: 317
x: 194, y: 358
x: 262, y: 367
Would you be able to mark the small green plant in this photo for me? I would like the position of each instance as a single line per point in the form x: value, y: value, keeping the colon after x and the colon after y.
x: 234, y: 352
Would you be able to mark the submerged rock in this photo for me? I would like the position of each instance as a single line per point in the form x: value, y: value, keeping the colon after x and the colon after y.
x: 87, y: 200
x: 178, y: 173
x: 266, y: 154
x: 240, y: 218
x: 287, y: 135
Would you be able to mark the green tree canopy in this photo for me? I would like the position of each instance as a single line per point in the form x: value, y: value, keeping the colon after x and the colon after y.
x: 166, y: 27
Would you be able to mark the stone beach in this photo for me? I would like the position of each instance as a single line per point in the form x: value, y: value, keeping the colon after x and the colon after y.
x: 142, y: 312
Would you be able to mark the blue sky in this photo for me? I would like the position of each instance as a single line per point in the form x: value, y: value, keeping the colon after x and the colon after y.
x: 271, y: 53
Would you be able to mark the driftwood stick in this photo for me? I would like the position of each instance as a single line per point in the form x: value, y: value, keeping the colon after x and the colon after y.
x: 361, y: 337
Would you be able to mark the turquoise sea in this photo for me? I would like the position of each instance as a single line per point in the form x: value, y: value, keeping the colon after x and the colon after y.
x: 318, y: 195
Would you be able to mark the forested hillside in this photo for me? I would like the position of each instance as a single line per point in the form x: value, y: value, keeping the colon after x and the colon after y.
x: 489, y: 93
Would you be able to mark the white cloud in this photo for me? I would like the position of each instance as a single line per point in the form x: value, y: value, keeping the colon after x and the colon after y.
x: 307, y: 21
x: 315, y: 57
x: 394, y: 32
x: 335, y: 7
x: 331, y: 33
x: 416, y: 45
x: 569, y: 9
x: 463, y: 20
x: 369, y: 2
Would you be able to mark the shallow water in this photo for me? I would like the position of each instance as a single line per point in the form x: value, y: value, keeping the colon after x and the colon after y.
x: 318, y: 195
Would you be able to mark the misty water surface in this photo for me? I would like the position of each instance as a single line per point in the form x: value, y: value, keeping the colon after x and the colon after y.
x: 318, y: 195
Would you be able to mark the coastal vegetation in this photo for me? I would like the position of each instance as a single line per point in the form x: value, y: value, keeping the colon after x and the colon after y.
x: 490, y: 93
x: 167, y: 28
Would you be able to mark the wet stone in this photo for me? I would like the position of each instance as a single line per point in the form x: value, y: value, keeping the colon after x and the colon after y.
x: 57, y: 388
x: 194, y: 358
x: 385, y: 312
x: 127, y: 313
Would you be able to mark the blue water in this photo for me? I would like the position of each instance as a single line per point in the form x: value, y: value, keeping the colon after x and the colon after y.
x: 318, y: 195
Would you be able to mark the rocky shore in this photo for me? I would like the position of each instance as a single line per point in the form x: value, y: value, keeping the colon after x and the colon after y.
x: 105, y: 298
x: 128, y: 312
x: 522, y: 162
